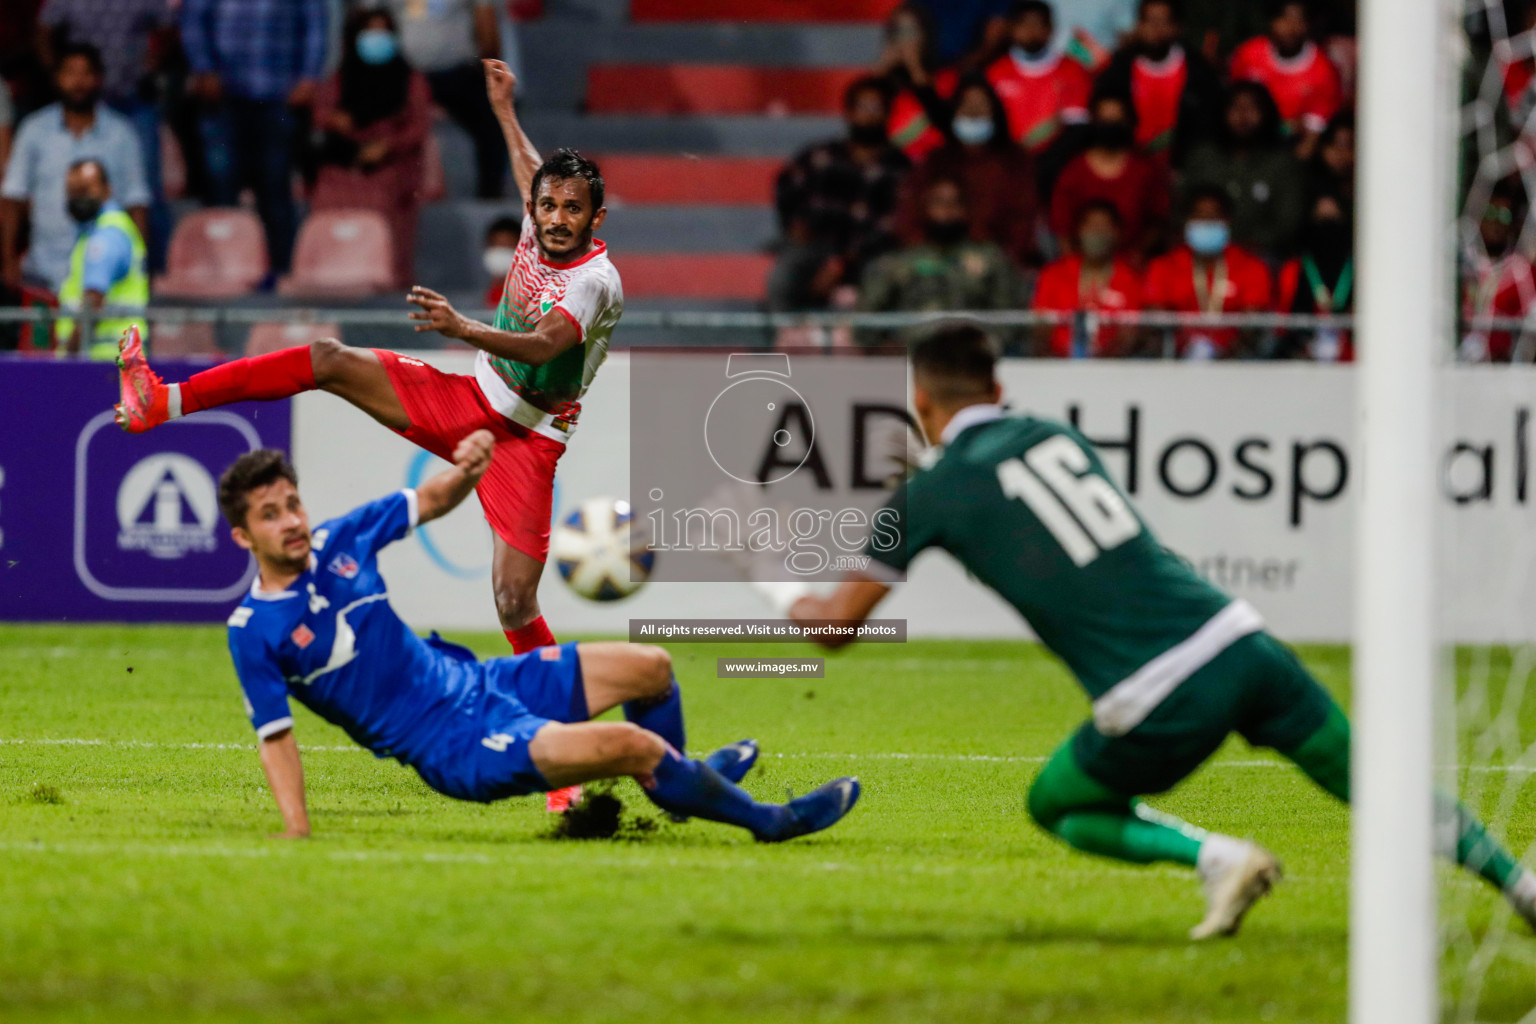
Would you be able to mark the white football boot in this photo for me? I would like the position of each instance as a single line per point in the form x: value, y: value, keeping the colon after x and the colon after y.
x: 1236, y: 875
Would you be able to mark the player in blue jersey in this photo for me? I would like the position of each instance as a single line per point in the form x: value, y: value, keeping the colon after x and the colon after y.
x: 317, y: 626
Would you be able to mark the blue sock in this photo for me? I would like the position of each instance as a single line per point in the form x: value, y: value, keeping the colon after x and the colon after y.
x: 661, y: 715
x: 695, y: 789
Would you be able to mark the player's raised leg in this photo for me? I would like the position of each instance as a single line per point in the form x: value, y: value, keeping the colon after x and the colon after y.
x: 355, y: 374
x: 639, y: 678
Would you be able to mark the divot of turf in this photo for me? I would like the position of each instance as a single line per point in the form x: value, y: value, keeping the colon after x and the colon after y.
x: 42, y: 793
x: 599, y: 814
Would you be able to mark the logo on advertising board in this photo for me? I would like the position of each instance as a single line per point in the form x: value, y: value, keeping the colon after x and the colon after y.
x: 147, y: 524
x: 167, y: 505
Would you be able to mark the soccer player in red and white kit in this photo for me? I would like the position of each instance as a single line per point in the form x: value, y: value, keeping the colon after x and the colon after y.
x: 1297, y: 74
x: 558, y: 309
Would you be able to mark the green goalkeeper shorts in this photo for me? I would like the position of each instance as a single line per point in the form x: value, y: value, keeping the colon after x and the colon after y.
x: 1256, y: 688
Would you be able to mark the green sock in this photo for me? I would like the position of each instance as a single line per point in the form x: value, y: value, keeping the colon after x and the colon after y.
x: 1475, y: 849
x: 1066, y: 802
x: 1324, y: 756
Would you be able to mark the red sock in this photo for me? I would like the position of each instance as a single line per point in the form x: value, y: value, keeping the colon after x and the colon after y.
x: 259, y: 378
x: 530, y: 637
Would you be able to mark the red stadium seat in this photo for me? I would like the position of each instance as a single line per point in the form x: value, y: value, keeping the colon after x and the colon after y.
x: 677, y: 275
x: 761, y: 10
x: 175, y: 341
x: 341, y: 254
x: 639, y: 178
x: 173, y: 164
x: 266, y: 338
x: 434, y: 179
x: 715, y: 89
x: 214, y: 254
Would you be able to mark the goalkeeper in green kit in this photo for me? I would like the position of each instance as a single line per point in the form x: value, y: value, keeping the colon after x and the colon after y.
x: 1171, y: 664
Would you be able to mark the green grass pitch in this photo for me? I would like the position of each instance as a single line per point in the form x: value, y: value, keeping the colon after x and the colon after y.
x: 137, y: 882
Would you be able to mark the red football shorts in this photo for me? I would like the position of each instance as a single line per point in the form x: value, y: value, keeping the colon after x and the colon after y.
x: 517, y: 492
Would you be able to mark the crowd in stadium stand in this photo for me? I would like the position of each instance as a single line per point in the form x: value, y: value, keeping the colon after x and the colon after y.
x: 1098, y: 155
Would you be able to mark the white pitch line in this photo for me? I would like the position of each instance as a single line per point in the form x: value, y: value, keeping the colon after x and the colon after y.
x: 1513, y: 769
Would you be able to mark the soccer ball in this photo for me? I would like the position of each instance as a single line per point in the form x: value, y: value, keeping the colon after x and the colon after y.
x: 598, y: 553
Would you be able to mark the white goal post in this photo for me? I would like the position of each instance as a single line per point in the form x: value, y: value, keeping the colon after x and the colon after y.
x: 1407, y: 103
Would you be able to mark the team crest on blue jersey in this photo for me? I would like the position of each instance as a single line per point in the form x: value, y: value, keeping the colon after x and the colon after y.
x: 303, y: 636
x: 344, y: 565
x: 549, y: 653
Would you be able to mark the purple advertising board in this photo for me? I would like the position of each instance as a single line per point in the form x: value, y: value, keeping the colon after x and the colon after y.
x: 101, y: 526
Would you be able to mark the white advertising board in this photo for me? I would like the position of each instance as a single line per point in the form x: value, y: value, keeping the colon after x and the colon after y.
x: 1245, y: 470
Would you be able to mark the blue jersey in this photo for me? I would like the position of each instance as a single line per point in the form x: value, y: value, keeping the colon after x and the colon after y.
x: 332, y: 641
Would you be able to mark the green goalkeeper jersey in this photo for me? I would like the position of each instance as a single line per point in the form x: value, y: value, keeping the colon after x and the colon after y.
x: 1026, y: 506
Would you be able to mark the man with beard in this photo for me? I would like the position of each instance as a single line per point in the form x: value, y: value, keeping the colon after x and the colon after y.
x: 1176, y: 94
x: 561, y: 303
x: 78, y: 127
x: 948, y: 270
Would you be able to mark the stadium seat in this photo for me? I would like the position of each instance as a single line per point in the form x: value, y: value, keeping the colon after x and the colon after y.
x: 214, y: 254
x: 641, y: 178
x: 761, y: 10
x: 715, y: 89
x: 266, y: 338
x: 173, y: 164
x: 175, y: 341
x: 677, y: 275
x: 340, y: 254
x: 434, y: 179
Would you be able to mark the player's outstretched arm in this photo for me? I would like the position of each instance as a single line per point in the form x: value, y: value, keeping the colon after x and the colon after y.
x: 500, y: 86
x: 285, y: 774
x: 850, y: 603
x: 549, y: 337
x: 442, y: 494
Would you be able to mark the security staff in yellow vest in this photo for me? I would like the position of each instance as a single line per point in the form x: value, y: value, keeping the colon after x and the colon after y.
x: 106, y: 267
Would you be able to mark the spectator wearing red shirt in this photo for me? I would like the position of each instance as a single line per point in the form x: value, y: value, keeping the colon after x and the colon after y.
x: 1176, y: 94
x: 1320, y: 280
x: 919, y: 91
x: 997, y: 176
x: 1042, y: 90
x: 1296, y: 72
x: 1095, y: 279
x: 1264, y: 181
x: 1496, y: 280
x: 1208, y: 274
x: 1112, y: 170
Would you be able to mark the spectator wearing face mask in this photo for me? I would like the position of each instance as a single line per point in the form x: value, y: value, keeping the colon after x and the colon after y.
x: 1321, y: 279
x: 919, y: 90
x: 500, y: 250
x: 48, y: 142
x: 1042, y: 90
x: 1496, y: 280
x: 948, y: 270
x: 996, y: 174
x: 836, y: 202
x: 1262, y: 178
x: 375, y: 112
x: 1093, y: 278
x: 1175, y: 94
x: 1297, y: 74
x: 1111, y: 169
x: 106, y: 266
x: 1208, y: 274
